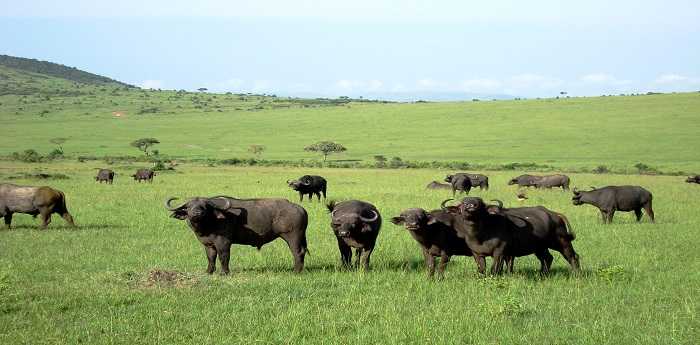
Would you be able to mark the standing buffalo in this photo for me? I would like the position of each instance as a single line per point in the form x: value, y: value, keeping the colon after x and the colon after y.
x: 221, y: 221
x: 438, y: 185
x: 356, y: 225
x: 548, y: 181
x: 144, y: 175
x: 477, y: 180
x: 436, y: 236
x: 460, y: 183
x: 309, y: 184
x: 616, y: 198
x: 693, y: 179
x: 105, y: 175
x: 41, y: 201
x: 494, y: 231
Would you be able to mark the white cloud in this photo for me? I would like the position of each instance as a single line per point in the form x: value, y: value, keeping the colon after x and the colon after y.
x: 604, y: 78
x: 480, y: 85
x: 675, y: 79
x: 151, y: 84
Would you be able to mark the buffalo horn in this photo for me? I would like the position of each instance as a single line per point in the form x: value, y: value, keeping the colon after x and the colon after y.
x: 167, y: 204
x: 500, y: 203
x: 369, y: 220
x: 442, y: 205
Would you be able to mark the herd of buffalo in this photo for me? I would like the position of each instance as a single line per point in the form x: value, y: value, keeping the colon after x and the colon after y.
x: 470, y: 227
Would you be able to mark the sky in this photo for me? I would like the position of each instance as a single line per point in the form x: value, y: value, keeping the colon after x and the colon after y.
x: 423, y: 49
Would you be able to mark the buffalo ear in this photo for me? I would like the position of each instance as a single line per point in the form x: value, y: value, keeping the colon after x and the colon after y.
x: 493, y: 209
x: 219, y: 214
x: 397, y: 220
x: 431, y: 220
x: 180, y: 214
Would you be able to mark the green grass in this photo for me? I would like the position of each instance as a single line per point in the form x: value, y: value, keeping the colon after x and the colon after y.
x: 658, y: 130
x: 89, y: 285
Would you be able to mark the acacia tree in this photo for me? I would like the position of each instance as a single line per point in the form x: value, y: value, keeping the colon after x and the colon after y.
x: 144, y: 143
x: 58, y: 142
x: 256, y: 149
x: 325, y: 148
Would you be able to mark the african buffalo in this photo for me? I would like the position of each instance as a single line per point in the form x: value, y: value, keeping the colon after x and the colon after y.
x: 356, y: 225
x: 460, y: 183
x: 551, y: 181
x: 105, y: 175
x: 616, y: 198
x: 221, y: 221
x: 309, y: 184
x: 436, y: 236
x: 693, y: 179
x: 477, y: 180
x: 438, y: 185
x: 491, y: 230
x: 144, y: 175
x: 41, y: 201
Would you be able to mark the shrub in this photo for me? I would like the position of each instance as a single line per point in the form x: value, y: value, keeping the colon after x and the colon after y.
x: 601, y: 169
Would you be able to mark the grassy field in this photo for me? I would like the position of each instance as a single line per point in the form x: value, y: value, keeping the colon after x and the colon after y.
x: 101, y: 283
x: 571, y: 133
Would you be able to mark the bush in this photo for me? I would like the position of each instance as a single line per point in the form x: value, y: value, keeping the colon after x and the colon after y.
x: 28, y: 156
x: 645, y: 169
x: 601, y: 169
x: 55, y: 154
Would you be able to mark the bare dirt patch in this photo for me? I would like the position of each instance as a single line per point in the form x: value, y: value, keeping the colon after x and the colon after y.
x: 158, y: 278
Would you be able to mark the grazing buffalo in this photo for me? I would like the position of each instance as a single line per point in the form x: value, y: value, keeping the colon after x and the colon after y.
x: 477, y: 180
x: 144, y: 175
x: 309, y: 184
x: 524, y: 180
x: 491, y: 230
x: 436, y: 236
x: 551, y: 181
x: 460, y: 183
x: 693, y: 179
x: 221, y: 221
x: 356, y: 225
x: 438, y: 185
x: 105, y: 175
x: 616, y: 198
x: 42, y: 201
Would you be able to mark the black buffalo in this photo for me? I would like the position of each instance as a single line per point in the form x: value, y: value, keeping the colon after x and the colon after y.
x: 105, y: 175
x: 221, y: 221
x: 477, y: 180
x: 144, y: 175
x: 693, y: 179
x: 616, y: 198
x: 491, y: 230
x: 356, y: 225
x: 460, y: 183
x: 42, y: 201
x: 438, y: 185
x: 548, y: 181
x: 309, y: 184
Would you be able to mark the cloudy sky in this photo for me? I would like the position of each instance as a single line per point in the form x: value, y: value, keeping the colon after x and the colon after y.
x: 366, y: 47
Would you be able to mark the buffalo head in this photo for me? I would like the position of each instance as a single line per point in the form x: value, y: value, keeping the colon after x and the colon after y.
x: 413, y: 219
x: 448, y: 178
x: 201, y: 208
x: 296, y: 184
x: 344, y: 224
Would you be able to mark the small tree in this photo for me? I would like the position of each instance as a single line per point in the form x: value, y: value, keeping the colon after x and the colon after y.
x: 256, y: 149
x: 59, y: 142
x: 325, y: 148
x: 202, y: 89
x: 380, y: 161
x: 144, y: 143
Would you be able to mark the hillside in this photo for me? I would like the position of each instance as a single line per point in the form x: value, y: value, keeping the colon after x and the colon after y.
x: 579, y: 133
x: 43, y: 69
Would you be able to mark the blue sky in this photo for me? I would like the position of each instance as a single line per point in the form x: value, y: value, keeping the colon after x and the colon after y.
x: 528, y: 49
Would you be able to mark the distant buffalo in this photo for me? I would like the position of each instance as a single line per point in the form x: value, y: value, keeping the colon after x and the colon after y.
x: 460, y: 183
x: 616, y: 198
x: 105, y: 175
x: 693, y: 179
x: 144, y: 175
x: 549, y: 181
x: 309, y: 185
x: 356, y: 225
x: 42, y: 201
x: 438, y: 185
x: 477, y: 180
x: 221, y: 221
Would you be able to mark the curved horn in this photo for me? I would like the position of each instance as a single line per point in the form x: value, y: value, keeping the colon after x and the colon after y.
x: 442, y: 204
x: 228, y: 202
x: 500, y: 203
x: 592, y: 188
x: 288, y: 181
x: 369, y: 220
x: 167, y: 204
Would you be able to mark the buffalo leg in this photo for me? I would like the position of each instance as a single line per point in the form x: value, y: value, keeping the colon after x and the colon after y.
x: 480, y: 263
x: 301, y: 197
x: 298, y: 252
x: 211, y: 258
x: 571, y: 256
x: 444, y: 259
x: 318, y: 195
x: 429, y: 263
x: 497, y: 264
x: 8, y: 220
x: 545, y: 261
x: 638, y: 214
x: 345, y: 253
x: 45, y: 219
x: 366, y: 253
x: 509, y: 263
x: 223, y: 250
x: 611, y: 213
x: 358, y: 256
x: 650, y: 211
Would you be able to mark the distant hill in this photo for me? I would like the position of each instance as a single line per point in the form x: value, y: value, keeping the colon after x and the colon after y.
x: 56, y: 70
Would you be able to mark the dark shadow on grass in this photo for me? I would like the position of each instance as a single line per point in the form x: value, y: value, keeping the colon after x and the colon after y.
x: 533, y: 273
x: 66, y: 227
